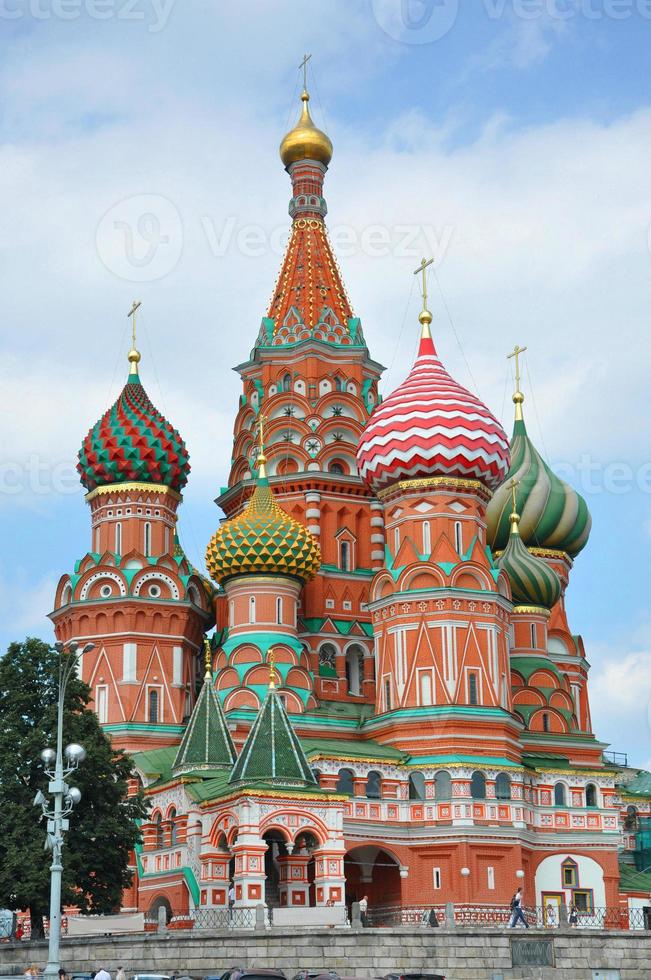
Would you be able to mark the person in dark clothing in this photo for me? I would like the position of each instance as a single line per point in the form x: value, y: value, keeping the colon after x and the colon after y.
x: 517, y: 915
x: 432, y: 918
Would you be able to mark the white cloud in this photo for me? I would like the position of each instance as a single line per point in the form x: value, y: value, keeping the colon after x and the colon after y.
x: 620, y: 695
x: 25, y: 603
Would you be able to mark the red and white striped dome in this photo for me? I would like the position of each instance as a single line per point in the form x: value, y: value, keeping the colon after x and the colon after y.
x: 432, y: 426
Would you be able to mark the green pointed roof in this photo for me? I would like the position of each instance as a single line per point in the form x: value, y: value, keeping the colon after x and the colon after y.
x: 272, y: 753
x: 553, y: 514
x: 533, y: 582
x: 206, y: 743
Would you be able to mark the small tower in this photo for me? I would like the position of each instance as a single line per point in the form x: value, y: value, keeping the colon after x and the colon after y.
x: 134, y: 593
x: 433, y: 453
x: 311, y: 374
x: 263, y: 558
x: 554, y: 526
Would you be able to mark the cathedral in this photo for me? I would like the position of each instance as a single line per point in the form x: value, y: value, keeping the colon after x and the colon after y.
x: 377, y: 690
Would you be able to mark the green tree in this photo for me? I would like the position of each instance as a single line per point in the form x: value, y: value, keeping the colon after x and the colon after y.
x: 103, y: 827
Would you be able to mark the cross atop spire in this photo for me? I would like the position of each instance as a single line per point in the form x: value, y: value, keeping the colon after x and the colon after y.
x: 134, y: 354
x: 518, y: 397
x: 424, y: 317
x: 303, y: 65
x: 514, y: 516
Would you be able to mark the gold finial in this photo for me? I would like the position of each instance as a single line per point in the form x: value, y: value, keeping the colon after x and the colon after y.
x: 261, y: 459
x: 518, y: 397
x: 514, y: 517
x: 273, y: 673
x: 424, y: 317
x: 207, y: 659
x: 303, y: 65
x: 134, y: 355
x: 305, y: 141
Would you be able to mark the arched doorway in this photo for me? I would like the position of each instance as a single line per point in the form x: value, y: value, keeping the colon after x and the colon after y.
x: 156, y: 905
x: 374, y: 872
x: 306, y: 843
x: 276, y: 847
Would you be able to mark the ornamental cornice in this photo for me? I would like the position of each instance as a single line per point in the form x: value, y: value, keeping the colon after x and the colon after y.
x: 133, y: 487
x: 443, y: 482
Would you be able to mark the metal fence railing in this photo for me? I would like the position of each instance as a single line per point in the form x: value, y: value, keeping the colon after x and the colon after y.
x: 542, y: 917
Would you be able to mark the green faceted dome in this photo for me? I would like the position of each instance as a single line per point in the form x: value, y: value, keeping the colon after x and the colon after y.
x: 552, y: 514
x: 264, y: 539
x: 533, y: 582
x: 133, y: 443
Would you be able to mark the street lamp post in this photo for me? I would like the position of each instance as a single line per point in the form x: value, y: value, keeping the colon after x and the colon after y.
x: 64, y: 799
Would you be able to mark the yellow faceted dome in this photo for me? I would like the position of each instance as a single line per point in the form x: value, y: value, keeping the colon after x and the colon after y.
x: 263, y: 539
x: 305, y: 141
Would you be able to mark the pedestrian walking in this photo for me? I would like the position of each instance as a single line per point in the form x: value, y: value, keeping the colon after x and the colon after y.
x: 63, y: 974
x: 432, y: 919
x: 517, y: 915
x: 120, y: 974
x: 574, y: 917
x: 32, y: 971
x: 363, y: 910
x: 102, y: 974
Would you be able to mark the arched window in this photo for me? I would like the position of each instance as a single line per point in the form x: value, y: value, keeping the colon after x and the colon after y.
x: 174, y: 828
x: 344, y: 550
x: 396, y: 540
x: 416, y: 786
x: 158, y: 824
x: 345, y: 782
x: 569, y: 873
x: 279, y: 609
x: 559, y: 794
x: 427, y: 538
x: 631, y: 821
x: 286, y: 383
x: 374, y: 785
x: 545, y: 721
x: 591, y: 795
x: 147, y: 539
x: 503, y: 786
x: 354, y: 669
x: 458, y: 538
x: 153, y: 707
x: 336, y: 468
x: 118, y: 538
x: 252, y: 609
x: 478, y: 786
x: 534, y: 636
x: 442, y: 786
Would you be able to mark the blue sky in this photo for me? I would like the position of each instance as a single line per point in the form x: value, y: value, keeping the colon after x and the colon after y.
x: 510, y: 139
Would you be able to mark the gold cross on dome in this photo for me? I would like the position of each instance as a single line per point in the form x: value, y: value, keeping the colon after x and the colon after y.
x: 421, y: 268
x: 207, y: 657
x: 517, y: 350
x: 262, y: 419
x: 272, y: 668
x: 135, y: 306
x: 303, y: 65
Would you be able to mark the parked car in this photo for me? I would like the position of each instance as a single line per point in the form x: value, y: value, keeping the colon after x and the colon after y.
x: 147, y: 976
x: 80, y: 976
x: 314, y: 974
x: 239, y: 973
x: 413, y: 976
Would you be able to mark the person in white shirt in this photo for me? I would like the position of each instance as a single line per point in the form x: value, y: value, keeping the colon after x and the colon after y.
x: 102, y: 974
x: 363, y: 909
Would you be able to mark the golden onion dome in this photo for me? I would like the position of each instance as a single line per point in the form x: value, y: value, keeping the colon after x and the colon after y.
x: 305, y: 141
x: 263, y: 539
